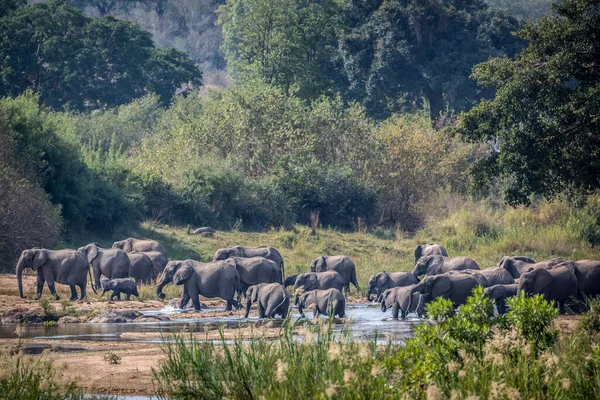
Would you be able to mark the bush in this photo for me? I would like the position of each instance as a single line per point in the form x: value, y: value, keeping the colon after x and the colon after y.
x: 334, y: 192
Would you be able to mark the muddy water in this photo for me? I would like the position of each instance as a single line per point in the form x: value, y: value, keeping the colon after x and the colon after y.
x: 364, y: 321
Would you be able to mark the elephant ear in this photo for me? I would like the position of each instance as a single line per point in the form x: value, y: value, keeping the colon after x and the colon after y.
x: 442, y: 284
x: 418, y: 251
x: 434, y: 265
x: 311, y: 280
x: 543, y: 280
x: 183, y: 274
x: 39, y: 259
x: 92, y: 252
x: 382, y: 279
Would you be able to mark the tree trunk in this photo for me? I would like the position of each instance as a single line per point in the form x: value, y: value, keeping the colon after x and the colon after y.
x: 436, y: 103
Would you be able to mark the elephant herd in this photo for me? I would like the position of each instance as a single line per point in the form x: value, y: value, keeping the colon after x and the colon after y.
x: 568, y: 283
x: 258, y: 274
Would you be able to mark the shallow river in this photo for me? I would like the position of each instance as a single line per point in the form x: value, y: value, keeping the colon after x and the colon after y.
x: 365, y: 321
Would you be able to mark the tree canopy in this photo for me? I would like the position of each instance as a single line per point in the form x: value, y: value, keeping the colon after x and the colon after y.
x: 81, y: 63
x: 545, y: 117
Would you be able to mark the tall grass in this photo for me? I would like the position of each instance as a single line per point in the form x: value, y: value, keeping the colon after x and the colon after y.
x: 463, y: 354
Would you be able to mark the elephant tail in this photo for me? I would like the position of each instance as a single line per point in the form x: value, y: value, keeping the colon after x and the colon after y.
x: 282, y: 272
x: 92, y: 281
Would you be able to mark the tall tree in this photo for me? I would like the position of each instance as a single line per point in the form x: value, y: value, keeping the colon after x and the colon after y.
x: 80, y: 63
x: 398, y: 52
x: 282, y: 42
x: 545, y: 116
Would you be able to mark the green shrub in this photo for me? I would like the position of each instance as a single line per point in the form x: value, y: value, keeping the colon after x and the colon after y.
x: 533, y: 318
x: 590, y: 320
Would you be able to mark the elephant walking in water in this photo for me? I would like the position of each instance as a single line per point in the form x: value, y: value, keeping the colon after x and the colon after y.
x: 271, y: 298
x: 68, y: 267
x: 380, y: 282
x: 340, y: 264
x: 327, y: 302
x: 397, y: 299
x: 214, y: 279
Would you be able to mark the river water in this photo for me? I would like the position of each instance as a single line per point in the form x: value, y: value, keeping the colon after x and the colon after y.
x: 365, y: 322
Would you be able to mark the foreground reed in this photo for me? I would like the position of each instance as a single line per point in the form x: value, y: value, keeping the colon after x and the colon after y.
x: 467, y: 354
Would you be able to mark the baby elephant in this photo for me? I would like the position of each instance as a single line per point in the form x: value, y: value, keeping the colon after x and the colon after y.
x: 272, y: 299
x: 118, y: 286
x: 397, y: 299
x: 327, y: 302
x: 499, y: 293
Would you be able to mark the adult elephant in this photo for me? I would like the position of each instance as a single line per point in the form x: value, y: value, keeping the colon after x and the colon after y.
x: 140, y: 267
x: 340, y: 264
x: 290, y: 280
x: 499, y: 293
x: 481, y: 279
x: 518, y: 265
x: 67, y: 267
x: 429, y: 249
x: 557, y: 283
x: 397, y: 299
x: 588, y: 277
x: 270, y: 253
x: 271, y: 298
x: 455, y: 287
x: 319, y: 280
x: 214, y: 279
x: 112, y: 263
x: 159, y: 262
x: 143, y: 245
x: 381, y: 281
x: 256, y: 270
x: 497, y: 276
x: 435, y: 265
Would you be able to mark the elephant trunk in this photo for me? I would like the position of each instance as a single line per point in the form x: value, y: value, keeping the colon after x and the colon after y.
x: 20, y: 268
x: 411, y: 293
x: 160, y: 286
x: 383, y: 306
x: 370, y: 291
x: 248, y: 305
x: 300, y: 308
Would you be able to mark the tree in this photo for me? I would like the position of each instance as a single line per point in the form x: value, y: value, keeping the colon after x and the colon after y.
x: 398, y: 52
x: 282, y: 42
x: 523, y: 9
x: 80, y: 63
x: 544, y: 117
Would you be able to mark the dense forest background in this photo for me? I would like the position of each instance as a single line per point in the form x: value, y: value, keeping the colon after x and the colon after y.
x: 252, y: 114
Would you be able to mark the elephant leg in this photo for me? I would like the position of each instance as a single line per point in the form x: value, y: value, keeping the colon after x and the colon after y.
x: 340, y: 311
x: 73, y: 293
x: 395, y: 310
x: 185, y: 299
x: 196, y: 302
x: 128, y: 296
x: 40, y: 286
x: 82, y: 290
x: 50, y: 281
x: 347, y: 289
x: 261, y: 310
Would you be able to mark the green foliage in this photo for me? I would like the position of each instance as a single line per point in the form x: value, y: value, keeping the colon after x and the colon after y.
x: 590, y: 321
x: 533, y: 318
x: 397, y: 53
x: 284, y: 43
x: 79, y: 63
x: 547, y: 138
x: 33, y: 379
x: 522, y: 9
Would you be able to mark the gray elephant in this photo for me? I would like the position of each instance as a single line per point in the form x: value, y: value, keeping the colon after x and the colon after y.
x: 290, y: 280
x: 118, y: 286
x: 214, y: 279
x: 140, y: 267
x: 255, y: 270
x: 429, y: 249
x: 499, y: 293
x: 481, y: 279
x: 381, y: 281
x: 319, y: 280
x: 497, y: 276
x: 397, y: 299
x: 143, y: 245
x: 434, y: 265
x: 587, y: 273
x: 272, y: 299
x: 270, y: 253
x: 518, y: 265
x: 455, y: 287
x: 159, y: 261
x: 67, y: 267
x: 327, y: 302
x: 112, y: 263
x: 340, y: 264
x: 557, y: 283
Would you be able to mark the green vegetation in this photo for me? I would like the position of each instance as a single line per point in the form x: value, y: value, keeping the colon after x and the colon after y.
x: 547, y: 141
x: 78, y: 63
x: 463, y: 354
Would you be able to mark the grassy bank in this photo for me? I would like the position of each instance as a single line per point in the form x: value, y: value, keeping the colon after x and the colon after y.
x: 480, y: 230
